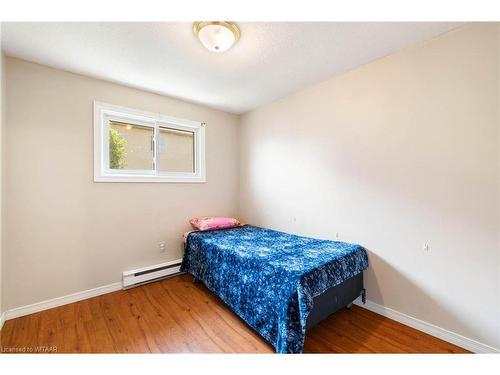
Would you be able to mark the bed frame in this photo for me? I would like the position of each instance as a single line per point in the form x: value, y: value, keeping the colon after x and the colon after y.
x: 336, y: 298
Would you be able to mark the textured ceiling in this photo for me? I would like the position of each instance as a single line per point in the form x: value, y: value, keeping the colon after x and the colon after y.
x: 270, y: 60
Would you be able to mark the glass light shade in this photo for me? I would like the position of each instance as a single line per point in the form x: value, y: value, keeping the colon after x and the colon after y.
x: 217, y: 36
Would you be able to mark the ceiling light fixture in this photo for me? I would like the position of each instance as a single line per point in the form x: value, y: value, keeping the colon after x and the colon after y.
x: 217, y: 36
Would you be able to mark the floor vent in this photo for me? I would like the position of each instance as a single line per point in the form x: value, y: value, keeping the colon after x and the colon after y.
x: 152, y: 273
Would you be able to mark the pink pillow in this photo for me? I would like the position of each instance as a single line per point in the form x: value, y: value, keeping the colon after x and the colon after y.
x: 209, y: 223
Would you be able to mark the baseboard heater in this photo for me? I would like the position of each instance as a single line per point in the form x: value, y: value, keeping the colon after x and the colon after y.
x: 151, y: 273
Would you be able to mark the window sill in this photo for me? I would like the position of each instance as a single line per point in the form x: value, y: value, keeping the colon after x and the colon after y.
x: 132, y: 178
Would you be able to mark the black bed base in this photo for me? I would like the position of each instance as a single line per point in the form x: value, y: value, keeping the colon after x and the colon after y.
x: 336, y: 298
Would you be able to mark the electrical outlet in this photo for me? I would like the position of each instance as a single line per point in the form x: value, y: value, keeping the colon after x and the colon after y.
x: 162, y: 246
x: 426, y: 247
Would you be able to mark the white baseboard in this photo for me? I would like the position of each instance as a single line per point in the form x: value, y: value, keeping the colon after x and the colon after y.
x: 59, y: 301
x: 431, y: 329
x: 2, y: 320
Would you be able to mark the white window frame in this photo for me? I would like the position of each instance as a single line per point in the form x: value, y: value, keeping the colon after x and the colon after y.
x: 102, y: 173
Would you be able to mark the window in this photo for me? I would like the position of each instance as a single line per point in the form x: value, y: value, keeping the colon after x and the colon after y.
x: 135, y: 146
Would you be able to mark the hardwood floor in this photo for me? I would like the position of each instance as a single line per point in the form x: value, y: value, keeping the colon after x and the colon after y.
x: 177, y: 316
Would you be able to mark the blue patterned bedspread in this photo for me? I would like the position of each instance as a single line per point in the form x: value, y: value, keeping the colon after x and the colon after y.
x: 270, y: 278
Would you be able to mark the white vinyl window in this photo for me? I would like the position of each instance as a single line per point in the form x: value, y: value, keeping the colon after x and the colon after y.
x: 136, y: 146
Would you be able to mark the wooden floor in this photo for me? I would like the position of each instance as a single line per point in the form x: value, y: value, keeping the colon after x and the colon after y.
x: 177, y: 316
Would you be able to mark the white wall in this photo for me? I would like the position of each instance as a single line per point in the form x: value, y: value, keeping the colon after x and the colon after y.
x: 2, y: 116
x: 498, y: 88
x: 63, y: 232
x: 394, y: 154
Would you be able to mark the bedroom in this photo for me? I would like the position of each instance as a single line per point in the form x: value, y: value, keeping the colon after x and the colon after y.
x: 352, y: 203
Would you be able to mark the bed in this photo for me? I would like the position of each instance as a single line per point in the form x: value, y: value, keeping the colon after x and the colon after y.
x: 280, y: 284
